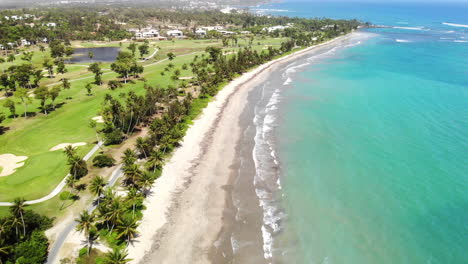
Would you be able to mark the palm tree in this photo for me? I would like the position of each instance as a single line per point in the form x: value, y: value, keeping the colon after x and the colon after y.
x: 114, y: 212
x: 147, y: 180
x: 91, y: 239
x: 127, y: 228
x: 85, y: 222
x: 132, y: 174
x: 129, y: 157
x: 3, y: 227
x: 17, y: 210
x: 97, y: 186
x: 15, y: 222
x: 155, y: 160
x: 4, y: 250
x: 116, y: 256
x: 133, y: 197
x: 141, y: 145
x: 70, y: 151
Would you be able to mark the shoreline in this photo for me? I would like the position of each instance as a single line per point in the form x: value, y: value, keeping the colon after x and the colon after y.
x: 190, y: 202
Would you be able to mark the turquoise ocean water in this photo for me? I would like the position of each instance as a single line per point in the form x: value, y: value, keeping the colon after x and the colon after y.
x: 372, y: 140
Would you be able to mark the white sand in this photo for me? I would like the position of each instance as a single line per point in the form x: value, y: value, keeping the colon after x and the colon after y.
x: 184, y: 214
x: 64, y: 145
x: 10, y: 163
x: 98, y: 119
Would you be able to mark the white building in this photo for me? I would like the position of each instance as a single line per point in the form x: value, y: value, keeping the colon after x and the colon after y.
x: 210, y: 28
x: 200, y: 32
x: 145, y: 33
x: 174, y: 33
x: 226, y: 33
x: 275, y: 28
x: 51, y: 24
x: 25, y: 42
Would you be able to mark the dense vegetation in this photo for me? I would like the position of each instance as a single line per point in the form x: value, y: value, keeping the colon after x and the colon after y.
x: 165, y: 112
x: 22, y: 238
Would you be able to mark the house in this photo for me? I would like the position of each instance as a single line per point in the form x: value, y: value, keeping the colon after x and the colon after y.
x: 51, y: 24
x: 226, y: 33
x: 245, y: 32
x: 25, y: 42
x: 200, y: 32
x: 210, y: 28
x: 275, y: 28
x: 175, y: 33
x: 145, y: 33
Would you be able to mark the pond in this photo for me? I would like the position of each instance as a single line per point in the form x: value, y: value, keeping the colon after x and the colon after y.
x: 103, y: 54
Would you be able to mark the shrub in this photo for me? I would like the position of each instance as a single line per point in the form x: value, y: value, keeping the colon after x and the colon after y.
x: 113, y: 137
x: 33, y: 250
x: 102, y: 161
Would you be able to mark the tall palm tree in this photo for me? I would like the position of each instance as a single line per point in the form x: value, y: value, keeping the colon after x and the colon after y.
x: 17, y: 210
x: 85, y: 222
x: 132, y: 174
x: 142, y: 145
x: 16, y: 223
x: 155, y: 160
x: 4, y: 250
x: 116, y: 256
x: 147, y: 180
x: 91, y: 238
x: 133, y: 197
x: 114, y: 213
x: 129, y: 157
x: 126, y: 228
x: 97, y: 187
x: 70, y: 151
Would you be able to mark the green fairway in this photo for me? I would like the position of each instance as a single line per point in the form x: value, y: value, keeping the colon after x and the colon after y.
x: 35, y: 135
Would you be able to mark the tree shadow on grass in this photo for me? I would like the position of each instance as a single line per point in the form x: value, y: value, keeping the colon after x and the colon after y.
x: 3, y: 130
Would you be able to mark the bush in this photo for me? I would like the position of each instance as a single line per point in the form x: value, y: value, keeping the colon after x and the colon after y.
x: 113, y: 137
x: 102, y: 161
x: 32, y: 251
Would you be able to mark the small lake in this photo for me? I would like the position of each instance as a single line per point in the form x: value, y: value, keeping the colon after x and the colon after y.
x: 103, y: 54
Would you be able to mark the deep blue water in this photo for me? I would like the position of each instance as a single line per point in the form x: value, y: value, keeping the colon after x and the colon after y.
x: 372, y: 140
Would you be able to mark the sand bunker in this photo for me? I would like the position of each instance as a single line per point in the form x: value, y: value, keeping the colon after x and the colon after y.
x: 10, y: 163
x: 98, y: 119
x: 64, y: 145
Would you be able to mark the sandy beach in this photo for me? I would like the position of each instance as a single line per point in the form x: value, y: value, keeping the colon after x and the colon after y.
x: 185, y: 213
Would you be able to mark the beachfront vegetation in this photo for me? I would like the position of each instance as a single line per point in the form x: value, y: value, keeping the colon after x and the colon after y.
x: 150, y: 103
x: 22, y: 238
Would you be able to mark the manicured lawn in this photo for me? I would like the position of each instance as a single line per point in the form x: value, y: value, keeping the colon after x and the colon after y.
x: 34, y: 136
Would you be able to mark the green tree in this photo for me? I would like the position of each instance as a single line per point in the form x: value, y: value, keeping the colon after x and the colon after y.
x: 17, y: 210
x: 89, y: 88
x: 22, y: 94
x: 96, y: 69
x: 144, y: 49
x: 49, y: 66
x: 132, y: 47
x: 116, y: 256
x: 11, y: 58
x: 42, y: 94
x: 65, y: 84
x: 127, y: 228
x: 97, y: 187
x: 171, y: 56
x: 54, y: 93
x: 11, y: 106
x: 85, y: 222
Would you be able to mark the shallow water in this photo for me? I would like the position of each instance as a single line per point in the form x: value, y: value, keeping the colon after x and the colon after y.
x: 372, y: 142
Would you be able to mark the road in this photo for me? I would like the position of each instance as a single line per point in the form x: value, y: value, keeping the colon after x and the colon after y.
x: 60, y: 240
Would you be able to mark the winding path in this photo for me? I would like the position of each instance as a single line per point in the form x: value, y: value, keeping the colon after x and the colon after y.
x: 58, y: 243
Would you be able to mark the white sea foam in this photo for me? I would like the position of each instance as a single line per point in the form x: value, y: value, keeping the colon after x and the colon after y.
x: 461, y: 41
x: 455, y: 25
x: 353, y: 44
x: 402, y: 40
x: 288, y: 81
x: 411, y: 28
